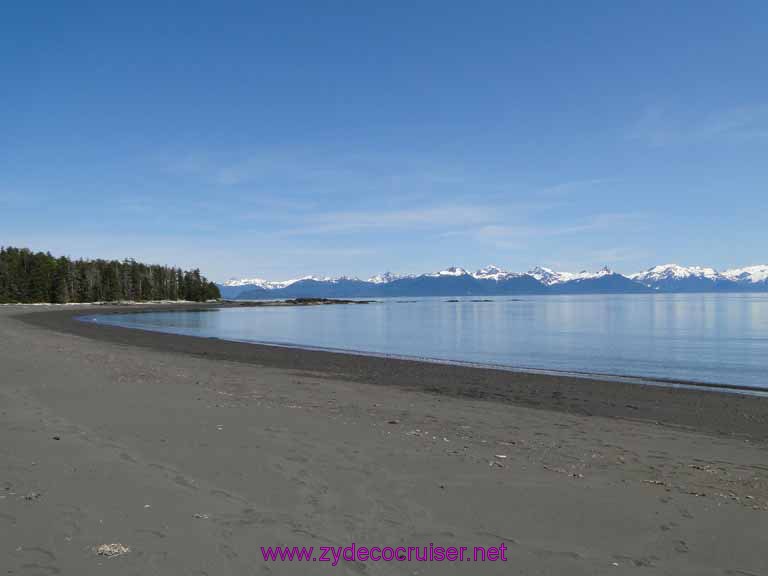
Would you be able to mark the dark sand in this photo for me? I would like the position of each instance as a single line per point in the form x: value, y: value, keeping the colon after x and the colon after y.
x: 282, y: 446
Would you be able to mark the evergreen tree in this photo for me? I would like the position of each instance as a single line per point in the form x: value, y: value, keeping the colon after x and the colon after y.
x: 29, y: 277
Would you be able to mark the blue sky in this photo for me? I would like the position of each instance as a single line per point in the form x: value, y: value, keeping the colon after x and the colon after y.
x: 282, y: 139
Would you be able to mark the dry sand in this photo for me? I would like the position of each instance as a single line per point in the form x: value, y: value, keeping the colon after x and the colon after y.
x: 193, y: 453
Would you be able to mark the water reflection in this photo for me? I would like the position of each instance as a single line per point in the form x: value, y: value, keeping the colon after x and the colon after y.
x: 720, y: 338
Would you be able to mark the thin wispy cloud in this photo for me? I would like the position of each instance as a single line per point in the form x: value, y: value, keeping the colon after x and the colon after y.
x: 330, y: 252
x: 326, y: 171
x: 265, y: 167
x: 564, y: 188
x: 417, y: 218
x: 597, y: 222
x: 658, y: 127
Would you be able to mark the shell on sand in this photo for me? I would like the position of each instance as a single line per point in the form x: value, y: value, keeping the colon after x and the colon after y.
x: 112, y: 550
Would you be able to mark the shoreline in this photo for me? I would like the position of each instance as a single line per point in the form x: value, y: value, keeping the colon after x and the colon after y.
x: 191, y: 454
x: 594, y: 376
x: 718, y: 409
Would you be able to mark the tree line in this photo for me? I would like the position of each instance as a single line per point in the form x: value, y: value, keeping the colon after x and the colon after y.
x: 29, y: 277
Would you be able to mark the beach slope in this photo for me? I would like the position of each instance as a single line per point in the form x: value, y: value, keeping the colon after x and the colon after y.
x: 194, y: 453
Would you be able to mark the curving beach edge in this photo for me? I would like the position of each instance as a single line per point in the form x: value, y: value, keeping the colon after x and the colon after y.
x: 705, y: 409
x: 193, y: 453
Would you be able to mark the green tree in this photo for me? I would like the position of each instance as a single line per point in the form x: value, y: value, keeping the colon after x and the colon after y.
x: 26, y: 277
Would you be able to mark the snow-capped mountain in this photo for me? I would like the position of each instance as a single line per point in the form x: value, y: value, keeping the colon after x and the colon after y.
x: 493, y: 280
x: 494, y: 273
x: 748, y: 274
x: 233, y: 288
x: 676, y: 278
x: 245, y: 282
x: 274, y: 285
x: 584, y: 275
x: 604, y: 281
x: 452, y: 271
x: 387, y: 277
x: 675, y: 271
x: 549, y: 277
x: 266, y: 284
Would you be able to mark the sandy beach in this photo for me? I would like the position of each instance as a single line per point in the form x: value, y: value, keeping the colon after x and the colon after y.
x: 194, y: 453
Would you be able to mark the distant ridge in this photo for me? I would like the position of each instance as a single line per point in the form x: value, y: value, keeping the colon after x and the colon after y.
x: 493, y: 280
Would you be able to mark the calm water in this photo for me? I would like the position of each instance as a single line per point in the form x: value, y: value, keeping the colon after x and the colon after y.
x: 714, y: 338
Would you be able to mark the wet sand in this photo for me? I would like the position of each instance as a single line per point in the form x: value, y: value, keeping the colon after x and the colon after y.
x: 196, y: 452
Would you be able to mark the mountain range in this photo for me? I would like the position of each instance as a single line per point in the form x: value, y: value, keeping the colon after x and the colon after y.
x: 493, y: 281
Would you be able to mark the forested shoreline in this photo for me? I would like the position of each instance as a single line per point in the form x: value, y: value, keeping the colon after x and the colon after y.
x: 36, y: 277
